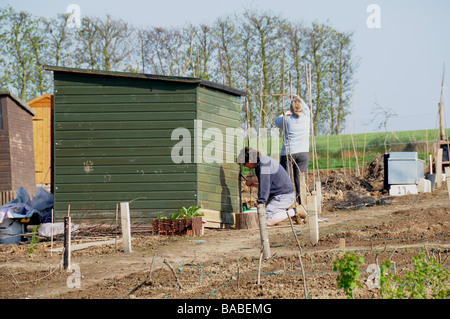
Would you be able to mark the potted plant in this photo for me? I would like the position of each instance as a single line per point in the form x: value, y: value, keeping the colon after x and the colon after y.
x: 187, y: 222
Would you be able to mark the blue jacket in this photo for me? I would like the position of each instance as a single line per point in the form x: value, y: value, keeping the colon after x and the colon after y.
x: 295, y: 131
x: 272, y: 179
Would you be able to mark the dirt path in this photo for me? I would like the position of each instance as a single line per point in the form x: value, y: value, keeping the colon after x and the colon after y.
x: 215, y: 261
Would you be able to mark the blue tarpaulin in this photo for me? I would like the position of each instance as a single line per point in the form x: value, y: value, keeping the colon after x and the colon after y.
x: 23, y: 207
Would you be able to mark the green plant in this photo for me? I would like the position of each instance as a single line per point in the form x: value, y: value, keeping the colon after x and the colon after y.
x: 34, y: 241
x: 427, y: 280
x: 348, y: 267
x: 190, y: 212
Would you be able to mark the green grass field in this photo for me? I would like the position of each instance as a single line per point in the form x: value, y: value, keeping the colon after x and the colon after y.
x: 331, y: 150
x: 344, y: 151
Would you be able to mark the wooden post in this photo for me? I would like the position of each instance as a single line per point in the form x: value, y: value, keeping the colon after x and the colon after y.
x: 319, y: 197
x: 312, y: 219
x: 67, y: 236
x: 263, y: 231
x: 442, y: 133
x: 447, y: 178
x: 246, y: 220
x: 439, y: 167
x: 303, y: 197
x: 51, y: 244
x: 342, y: 244
x: 126, y: 226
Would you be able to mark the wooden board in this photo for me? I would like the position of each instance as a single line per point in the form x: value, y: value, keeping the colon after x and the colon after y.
x: 216, y: 219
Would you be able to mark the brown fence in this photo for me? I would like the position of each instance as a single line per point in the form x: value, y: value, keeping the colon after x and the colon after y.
x: 6, y: 197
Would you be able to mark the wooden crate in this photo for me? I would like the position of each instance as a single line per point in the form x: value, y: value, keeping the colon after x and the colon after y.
x: 185, y: 226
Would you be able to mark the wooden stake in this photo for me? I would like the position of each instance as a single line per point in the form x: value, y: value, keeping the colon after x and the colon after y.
x: 238, y: 274
x: 342, y: 244
x: 439, y: 167
x: 259, y: 267
x: 312, y: 219
x: 299, y: 255
x: 117, y: 226
x: 364, y: 155
x: 51, y: 240
x: 174, y: 273
x: 67, y: 237
x: 430, y: 162
x: 263, y: 231
x: 319, y: 197
x: 151, y: 268
x: 303, y: 195
x: 342, y: 155
x: 356, y: 156
x: 447, y: 178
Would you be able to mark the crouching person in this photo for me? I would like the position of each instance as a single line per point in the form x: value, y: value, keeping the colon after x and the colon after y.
x: 275, y: 188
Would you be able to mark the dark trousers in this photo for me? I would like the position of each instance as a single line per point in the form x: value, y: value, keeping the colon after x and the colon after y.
x: 293, y: 163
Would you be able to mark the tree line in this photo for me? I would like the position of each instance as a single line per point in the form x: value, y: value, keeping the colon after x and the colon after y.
x: 259, y: 52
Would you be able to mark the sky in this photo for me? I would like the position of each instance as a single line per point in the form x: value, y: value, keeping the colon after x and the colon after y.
x: 401, y: 46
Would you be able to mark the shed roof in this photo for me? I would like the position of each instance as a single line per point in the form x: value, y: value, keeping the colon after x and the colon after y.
x: 198, y: 81
x: 18, y: 101
x: 40, y: 98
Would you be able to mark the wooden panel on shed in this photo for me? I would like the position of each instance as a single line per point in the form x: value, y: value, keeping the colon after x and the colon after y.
x: 42, y: 128
x: 218, y: 173
x: 17, y: 138
x: 5, y: 156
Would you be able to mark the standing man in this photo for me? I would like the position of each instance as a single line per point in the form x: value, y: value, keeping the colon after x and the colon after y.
x: 275, y: 188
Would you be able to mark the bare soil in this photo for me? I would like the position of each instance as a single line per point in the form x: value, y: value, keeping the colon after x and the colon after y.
x: 224, y: 262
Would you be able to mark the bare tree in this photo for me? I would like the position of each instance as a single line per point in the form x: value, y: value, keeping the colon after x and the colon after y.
x: 227, y: 42
x: 319, y: 56
x: 114, y: 41
x: 87, y: 52
x: 59, y: 38
x: 341, y: 78
x: 19, y: 52
x: 267, y: 32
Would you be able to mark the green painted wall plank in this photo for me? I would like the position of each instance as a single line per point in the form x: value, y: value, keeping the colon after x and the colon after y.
x: 87, y: 161
x: 127, y: 169
x: 81, y: 187
x: 123, y: 99
x: 106, y: 134
x: 122, y: 125
x: 126, y: 107
x: 123, y: 116
x: 107, y: 177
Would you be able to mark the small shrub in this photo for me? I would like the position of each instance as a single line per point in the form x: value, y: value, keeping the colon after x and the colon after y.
x: 348, y: 266
x: 427, y: 280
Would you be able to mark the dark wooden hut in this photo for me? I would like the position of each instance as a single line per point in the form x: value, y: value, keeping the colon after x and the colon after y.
x: 132, y: 137
x: 17, y: 166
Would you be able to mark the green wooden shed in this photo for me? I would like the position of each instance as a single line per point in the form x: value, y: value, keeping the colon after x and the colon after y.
x: 131, y: 137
